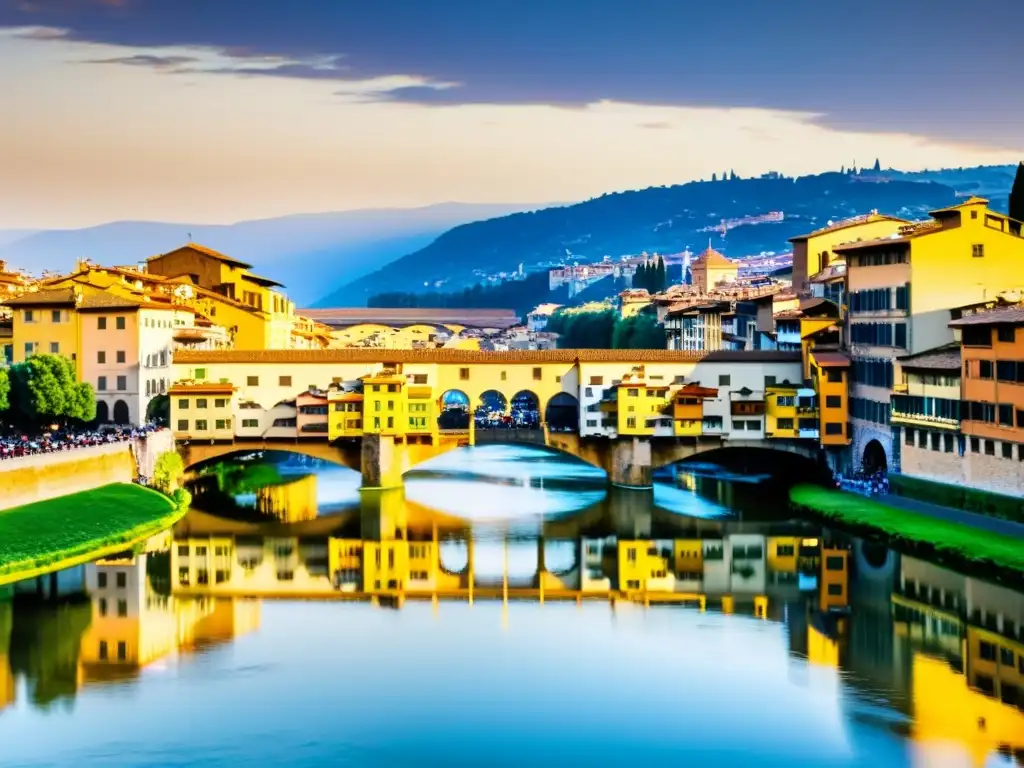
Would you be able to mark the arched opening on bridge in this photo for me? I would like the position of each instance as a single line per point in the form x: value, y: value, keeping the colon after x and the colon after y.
x: 562, y: 413
x: 453, y: 556
x: 492, y: 409
x: 454, y: 410
x: 121, y: 415
x: 526, y: 410
x: 102, y: 412
x: 874, y: 458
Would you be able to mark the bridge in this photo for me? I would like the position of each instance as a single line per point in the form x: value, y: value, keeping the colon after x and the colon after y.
x: 383, y: 412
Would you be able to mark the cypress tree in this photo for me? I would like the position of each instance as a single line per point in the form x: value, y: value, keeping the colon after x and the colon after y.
x: 1017, y: 195
x: 878, y: 166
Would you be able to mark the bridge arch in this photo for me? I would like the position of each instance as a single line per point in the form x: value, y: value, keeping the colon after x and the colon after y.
x: 562, y: 412
x: 455, y: 410
x: 874, y: 459
x: 197, y: 455
x: 492, y: 401
x: 121, y: 413
x: 526, y: 408
x: 102, y: 412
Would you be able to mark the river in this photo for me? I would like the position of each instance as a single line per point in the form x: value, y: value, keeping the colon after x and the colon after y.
x: 290, y: 620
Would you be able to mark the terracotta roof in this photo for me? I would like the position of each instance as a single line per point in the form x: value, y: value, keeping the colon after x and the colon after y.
x: 810, y: 305
x: 752, y: 356
x: 972, y: 200
x: 999, y: 316
x: 944, y: 358
x: 348, y: 316
x: 44, y: 297
x: 831, y: 359
x: 346, y: 397
x: 206, y: 252
x: 853, y: 221
x: 200, y: 387
x: 713, y: 258
x: 450, y: 356
x: 789, y: 314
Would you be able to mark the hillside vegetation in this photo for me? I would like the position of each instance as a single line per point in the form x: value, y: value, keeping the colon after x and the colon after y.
x: 667, y: 220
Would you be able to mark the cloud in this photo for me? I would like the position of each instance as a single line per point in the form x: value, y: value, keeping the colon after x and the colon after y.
x: 163, y: 63
x: 735, y: 53
x: 656, y: 126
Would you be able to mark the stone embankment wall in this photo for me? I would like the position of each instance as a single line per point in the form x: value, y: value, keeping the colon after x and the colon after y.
x: 29, y: 479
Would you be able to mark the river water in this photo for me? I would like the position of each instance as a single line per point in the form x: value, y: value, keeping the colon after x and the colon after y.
x: 738, y: 637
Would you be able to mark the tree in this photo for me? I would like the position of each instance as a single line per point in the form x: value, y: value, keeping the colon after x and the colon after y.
x: 159, y: 409
x: 1017, y: 195
x: 714, y: 177
x: 5, y: 390
x: 878, y: 166
x: 167, y: 471
x: 45, y: 389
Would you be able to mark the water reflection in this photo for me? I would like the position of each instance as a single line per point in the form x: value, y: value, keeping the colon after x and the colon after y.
x: 732, y: 632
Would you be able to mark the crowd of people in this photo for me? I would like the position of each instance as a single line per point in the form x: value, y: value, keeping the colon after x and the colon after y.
x: 16, y: 445
x: 867, y: 483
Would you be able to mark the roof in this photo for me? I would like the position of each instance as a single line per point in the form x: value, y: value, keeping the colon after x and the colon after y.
x: 713, y: 258
x: 206, y: 252
x: 752, y: 356
x: 200, y: 388
x: 545, y: 309
x: 944, y: 358
x: 54, y: 296
x: 1000, y: 316
x: 473, y: 318
x: 266, y: 282
x: 99, y: 302
x: 449, y: 356
x: 970, y: 201
x: 853, y: 221
x: 345, y: 397
x: 830, y: 359
x: 817, y: 305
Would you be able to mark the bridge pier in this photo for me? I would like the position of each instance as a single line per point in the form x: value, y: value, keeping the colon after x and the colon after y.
x: 629, y: 463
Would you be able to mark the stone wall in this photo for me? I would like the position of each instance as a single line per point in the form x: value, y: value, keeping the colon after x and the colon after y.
x: 147, y: 449
x: 972, y: 470
x: 30, y: 479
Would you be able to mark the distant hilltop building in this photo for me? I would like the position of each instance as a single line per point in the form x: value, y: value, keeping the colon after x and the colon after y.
x: 580, y: 276
x: 772, y: 217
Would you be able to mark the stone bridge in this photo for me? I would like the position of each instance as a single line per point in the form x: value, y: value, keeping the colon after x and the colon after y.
x: 629, y: 462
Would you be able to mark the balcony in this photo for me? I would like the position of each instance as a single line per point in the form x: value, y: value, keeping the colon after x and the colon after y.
x: 916, y: 411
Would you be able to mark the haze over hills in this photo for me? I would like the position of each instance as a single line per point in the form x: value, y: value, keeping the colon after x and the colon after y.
x: 669, y: 220
x: 306, y: 252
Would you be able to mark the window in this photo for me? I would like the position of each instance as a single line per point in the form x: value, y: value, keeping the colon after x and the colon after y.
x: 102, y: 606
x: 122, y: 383
x: 200, y: 425
x: 947, y: 443
x: 250, y: 423
x: 834, y: 428
x: 974, y: 336
x: 985, y: 369
x: 183, y: 425
x: 201, y: 402
x: 1006, y: 333
x: 122, y: 579
x: 30, y: 348
x: 900, y: 335
x: 1006, y: 415
x: 724, y: 379
x: 120, y: 355
x: 835, y: 590
x: 784, y: 424
x: 222, y: 424
x: 835, y: 563
x: 990, y: 448
x: 908, y: 437
x: 391, y: 422
x: 101, y: 580
x: 1007, y: 450
x: 101, y: 384
x: 596, y: 380
x: 784, y: 550
x: 29, y: 316
x: 933, y: 441
x: 975, y: 445
x: 631, y: 422
x: 200, y: 374
x: 54, y: 348
x: 537, y: 373
x: 464, y: 374
x: 101, y: 323
x: 284, y: 381
x: 978, y: 251
x: 103, y: 650
x: 769, y: 381
x: 986, y: 651
x: 122, y: 608
x: 833, y: 401
x: 101, y: 357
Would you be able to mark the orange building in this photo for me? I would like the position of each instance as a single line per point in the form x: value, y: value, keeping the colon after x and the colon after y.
x: 710, y: 269
x: 992, y: 390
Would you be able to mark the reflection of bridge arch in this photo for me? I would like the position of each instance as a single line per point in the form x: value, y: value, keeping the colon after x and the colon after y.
x: 196, y: 455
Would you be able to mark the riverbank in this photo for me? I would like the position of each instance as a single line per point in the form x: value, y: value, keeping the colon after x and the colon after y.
x: 69, y: 530
x: 914, y: 532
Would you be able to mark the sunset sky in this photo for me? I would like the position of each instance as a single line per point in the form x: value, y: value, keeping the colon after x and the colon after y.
x: 219, y: 110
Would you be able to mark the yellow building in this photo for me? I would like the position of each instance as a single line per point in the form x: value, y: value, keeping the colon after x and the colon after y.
x: 45, y: 322
x: 260, y: 316
x: 384, y: 403
x: 640, y: 406
x: 688, y: 409
x: 711, y: 269
x: 345, y: 415
x: 646, y: 566
x: 202, y: 410
x: 812, y: 253
x: 829, y: 374
x: 781, y: 411
x: 632, y: 302
x: 833, y: 588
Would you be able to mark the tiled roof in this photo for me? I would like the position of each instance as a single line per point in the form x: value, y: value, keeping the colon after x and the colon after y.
x: 35, y: 298
x: 713, y: 258
x: 266, y: 282
x: 831, y: 359
x: 450, y: 356
x: 752, y: 356
x: 853, y: 221
x: 944, y: 358
x: 206, y: 252
x: 1000, y: 316
x: 199, y: 388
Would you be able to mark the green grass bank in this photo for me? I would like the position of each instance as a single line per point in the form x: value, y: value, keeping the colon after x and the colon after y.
x: 68, y: 530
x: 917, y: 534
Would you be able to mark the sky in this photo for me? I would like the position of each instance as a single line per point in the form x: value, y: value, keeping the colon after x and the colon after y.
x: 213, y: 111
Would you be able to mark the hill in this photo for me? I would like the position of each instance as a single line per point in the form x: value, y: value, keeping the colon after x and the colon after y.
x: 669, y: 220
x: 305, y: 251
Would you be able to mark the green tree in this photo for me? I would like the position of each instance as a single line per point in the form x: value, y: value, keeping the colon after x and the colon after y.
x: 167, y: 471
x: 5, y: 390
x: 878, y: 165
x: 159, y: 409
x: 45, y: 389
x: 1017, y: 195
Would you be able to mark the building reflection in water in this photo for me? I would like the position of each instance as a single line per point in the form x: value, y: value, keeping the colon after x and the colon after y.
x: 944, y: 649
